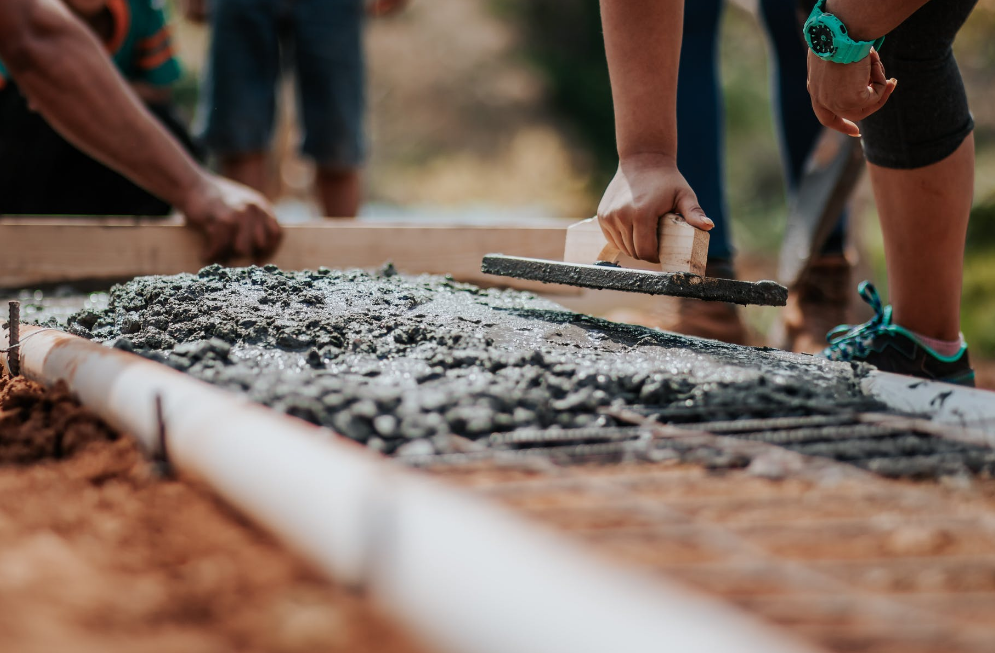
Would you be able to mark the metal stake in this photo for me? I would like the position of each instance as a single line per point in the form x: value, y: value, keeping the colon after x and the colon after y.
x: 14, y: 353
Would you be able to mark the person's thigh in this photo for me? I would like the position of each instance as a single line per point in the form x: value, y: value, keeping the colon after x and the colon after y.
x: 238, y: 100
x: 927, y: 118
x: 328, y: 46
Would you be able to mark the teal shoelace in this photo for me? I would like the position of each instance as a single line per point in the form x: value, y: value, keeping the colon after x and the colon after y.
x: 849, y: 342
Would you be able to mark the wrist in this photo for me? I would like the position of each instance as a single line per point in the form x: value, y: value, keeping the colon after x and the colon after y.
x: 648, y: 158
x: 831, y: 39
x: 194, y: 193
x: 853, y: 20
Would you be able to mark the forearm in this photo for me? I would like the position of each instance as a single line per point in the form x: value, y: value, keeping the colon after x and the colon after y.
x: 150, y: 94
x: 67, y: 77
x: 868, y: 21
x: 643, y: 45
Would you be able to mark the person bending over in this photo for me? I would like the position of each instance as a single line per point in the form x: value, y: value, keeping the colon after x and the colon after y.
x: 919, y: 146
x: 920, y: 149
x: 819, y: 302
x: 65, y: 75
x: 37, y: 159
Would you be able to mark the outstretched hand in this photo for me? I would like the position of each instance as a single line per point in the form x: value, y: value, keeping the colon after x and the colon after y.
x: 842, y: 94
x: 646, y: 187
x: 235, y: 221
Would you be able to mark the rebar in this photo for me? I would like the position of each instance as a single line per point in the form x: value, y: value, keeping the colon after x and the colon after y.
x: 14, y: 339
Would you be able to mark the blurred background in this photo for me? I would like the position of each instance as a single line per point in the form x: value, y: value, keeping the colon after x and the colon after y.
x: 501, y: 108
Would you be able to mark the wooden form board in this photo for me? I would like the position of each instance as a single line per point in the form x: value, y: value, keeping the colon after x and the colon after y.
x: 52, y: 250
x: 683, y: 248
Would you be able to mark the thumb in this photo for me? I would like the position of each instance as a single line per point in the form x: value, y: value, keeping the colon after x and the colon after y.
x: 687, y: 206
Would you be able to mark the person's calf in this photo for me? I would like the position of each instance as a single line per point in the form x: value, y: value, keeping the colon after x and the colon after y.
x: 249, y: 168
x: 339, y: 191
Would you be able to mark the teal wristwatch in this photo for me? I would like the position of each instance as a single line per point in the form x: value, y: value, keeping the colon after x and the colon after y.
x: 827, y: 37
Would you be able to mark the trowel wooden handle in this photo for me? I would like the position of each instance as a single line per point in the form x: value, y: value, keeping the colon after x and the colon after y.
x: 683, y: 248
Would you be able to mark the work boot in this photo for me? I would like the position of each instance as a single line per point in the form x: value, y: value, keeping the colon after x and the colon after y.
x: 691, y: 317
x: 714, y: 320
x: 815, y: 306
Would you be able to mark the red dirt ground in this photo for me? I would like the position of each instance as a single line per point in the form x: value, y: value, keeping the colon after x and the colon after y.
x: 98, y: 553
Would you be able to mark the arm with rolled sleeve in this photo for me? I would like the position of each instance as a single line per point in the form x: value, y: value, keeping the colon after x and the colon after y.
x: 66, y: 75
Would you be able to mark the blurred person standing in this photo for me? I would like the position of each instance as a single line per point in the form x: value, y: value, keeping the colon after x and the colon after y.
x: 36, y: 159
x: 253, y: 42
x: 820, y: 302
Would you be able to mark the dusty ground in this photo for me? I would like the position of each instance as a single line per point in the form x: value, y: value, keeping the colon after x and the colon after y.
x: 847, y: 561
x: 98, y: 553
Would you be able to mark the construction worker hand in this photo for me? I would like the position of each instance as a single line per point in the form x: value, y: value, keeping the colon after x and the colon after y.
x: 646, y: 187
x: 236, y: 221
x: 842, y: 94
x: 195, y: 10
x: 384, y: 7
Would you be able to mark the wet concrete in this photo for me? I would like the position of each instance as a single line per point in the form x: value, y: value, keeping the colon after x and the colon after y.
x: 396, y: 361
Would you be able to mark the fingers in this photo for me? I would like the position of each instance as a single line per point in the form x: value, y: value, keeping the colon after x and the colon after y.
x: 608, y: 230
x: 244, y: 236
x: 217, y: 243
x: 268, y: 236
x: 887, y: 90
x: 625, y: 237
x: 877, y: 69
x: 845, y: 94
x: 880, y: 86
x: 687, y: 206
x: 645, y: 241
x: 260, y: 240
x: 833, y: 121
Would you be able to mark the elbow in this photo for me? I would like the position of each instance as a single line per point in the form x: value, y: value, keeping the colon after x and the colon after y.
x: 30, y: 30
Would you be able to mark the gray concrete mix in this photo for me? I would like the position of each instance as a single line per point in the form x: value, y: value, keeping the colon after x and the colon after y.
x: 391, y: 360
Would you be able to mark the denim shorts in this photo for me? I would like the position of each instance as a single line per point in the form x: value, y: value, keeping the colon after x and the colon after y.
x: 253, y: 43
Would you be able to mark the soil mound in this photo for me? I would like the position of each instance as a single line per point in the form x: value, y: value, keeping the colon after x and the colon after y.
x: 37, y: 424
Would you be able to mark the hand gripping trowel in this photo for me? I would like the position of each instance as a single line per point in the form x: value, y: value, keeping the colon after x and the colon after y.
x: 589, y: 261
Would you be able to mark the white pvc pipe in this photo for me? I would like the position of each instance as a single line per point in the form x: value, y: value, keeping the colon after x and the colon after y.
x: 466, y: 576
x: 943, y: 403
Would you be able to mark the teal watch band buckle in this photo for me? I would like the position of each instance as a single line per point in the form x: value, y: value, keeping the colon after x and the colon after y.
x: 827, y: 37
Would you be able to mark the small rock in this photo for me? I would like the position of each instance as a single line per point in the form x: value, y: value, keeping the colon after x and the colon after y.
x: 416, y: 448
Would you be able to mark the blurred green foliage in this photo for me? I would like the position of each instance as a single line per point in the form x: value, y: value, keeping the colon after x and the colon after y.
x: 979, y: 280
x: 981, y: 230
x: 562, y: 38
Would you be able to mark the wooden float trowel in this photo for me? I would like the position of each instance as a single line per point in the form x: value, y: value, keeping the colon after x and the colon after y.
x: 589, y: 261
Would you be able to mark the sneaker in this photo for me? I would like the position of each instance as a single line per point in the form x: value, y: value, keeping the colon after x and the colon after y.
x: 892, y: 348
x: 815, y: 306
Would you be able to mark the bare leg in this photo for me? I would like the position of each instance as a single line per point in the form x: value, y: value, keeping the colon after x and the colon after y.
x: 339, y: 191
x: 924, y: 214
x: 248, y: 169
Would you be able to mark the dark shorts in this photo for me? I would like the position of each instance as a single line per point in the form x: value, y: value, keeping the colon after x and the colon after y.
x: 927, y: 118
x: 42, y: 174
x: 253, y: 42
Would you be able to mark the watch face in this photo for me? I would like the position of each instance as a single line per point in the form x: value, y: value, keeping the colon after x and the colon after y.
x: 821, y: 38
